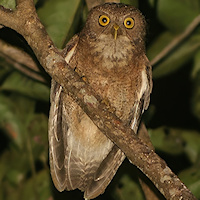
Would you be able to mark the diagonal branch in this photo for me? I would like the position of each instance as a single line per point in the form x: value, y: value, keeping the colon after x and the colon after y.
x: 27, y: 23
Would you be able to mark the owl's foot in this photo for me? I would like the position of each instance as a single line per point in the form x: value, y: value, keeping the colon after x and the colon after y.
x: 83, y: 77
x: 108, y: 106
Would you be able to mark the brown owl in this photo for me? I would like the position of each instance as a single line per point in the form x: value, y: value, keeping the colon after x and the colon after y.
x: 110, y: 53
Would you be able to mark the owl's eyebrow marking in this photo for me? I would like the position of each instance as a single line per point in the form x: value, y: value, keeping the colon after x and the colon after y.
x: 104, y: 13
x: 129, y: 15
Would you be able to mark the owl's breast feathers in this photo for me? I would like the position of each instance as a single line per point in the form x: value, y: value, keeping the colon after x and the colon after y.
x: 116, y: 53
x: 116, y: 71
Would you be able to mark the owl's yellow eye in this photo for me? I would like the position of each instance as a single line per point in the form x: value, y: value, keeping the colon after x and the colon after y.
x: 129, y: 22
x: 104, y: 20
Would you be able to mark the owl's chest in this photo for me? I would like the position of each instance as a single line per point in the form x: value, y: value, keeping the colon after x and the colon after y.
x: 111, y: 53
x: 118, y: 85
x: 107, y: 68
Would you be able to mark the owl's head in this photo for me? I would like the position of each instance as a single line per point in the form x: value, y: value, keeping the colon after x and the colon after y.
x: 116, y: 21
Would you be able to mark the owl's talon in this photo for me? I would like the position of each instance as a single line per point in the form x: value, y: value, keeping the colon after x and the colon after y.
x: 108, y: 106
x: 80, y: 74
x: 77, y: 71
x: 106, y: 102
x: 84, y: 79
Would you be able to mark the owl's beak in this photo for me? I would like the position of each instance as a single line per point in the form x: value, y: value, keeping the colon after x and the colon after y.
x: 116, y: 27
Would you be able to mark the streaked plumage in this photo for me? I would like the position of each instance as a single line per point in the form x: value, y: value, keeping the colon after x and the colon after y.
x: 114, y: 63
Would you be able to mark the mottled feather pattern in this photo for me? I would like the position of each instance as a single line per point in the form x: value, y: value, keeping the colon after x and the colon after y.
x: 116, y: 67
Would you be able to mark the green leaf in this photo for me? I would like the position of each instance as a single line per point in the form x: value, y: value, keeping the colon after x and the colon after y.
x: 17, y: 82
x: 37, y: 187
x: 166, y: 140
x: 3, y: 169
x: 152, y: 2
x: 29, y: 136
x: 195, y: 103
x: 191, y: 177
x: 18, y: 119
x: 38, y: 136
x: 14, y: 116
x: 130, y: 2
x: 128, y: 188
x: 15, y: 165
x: 8, y: 3
x: 176, y: 141
x: 196, y: 67
x: 176, y: 15
x: 192, y: 141
x: 59, y: 17
x: 5, y: 69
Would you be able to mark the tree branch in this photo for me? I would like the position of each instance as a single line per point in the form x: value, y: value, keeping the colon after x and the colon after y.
x: 26, y: 22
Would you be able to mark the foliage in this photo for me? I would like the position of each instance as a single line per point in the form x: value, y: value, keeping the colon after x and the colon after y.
x: 172, y: 119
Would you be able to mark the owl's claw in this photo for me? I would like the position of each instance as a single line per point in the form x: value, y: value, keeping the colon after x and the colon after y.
x: 83, y: 77
x: 108, y: 106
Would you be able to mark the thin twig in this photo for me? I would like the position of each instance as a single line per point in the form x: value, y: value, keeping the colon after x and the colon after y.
x: 176, y: 41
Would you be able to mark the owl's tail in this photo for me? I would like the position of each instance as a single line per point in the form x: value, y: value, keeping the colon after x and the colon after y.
x: 105, y: 173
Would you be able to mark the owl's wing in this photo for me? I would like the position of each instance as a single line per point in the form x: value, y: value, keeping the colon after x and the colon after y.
x: 56, y: 133
x: 65, y: 166
x: 143, y: 100
x: 105, y: 173
x: 58, y: 128
x: 111, y: 163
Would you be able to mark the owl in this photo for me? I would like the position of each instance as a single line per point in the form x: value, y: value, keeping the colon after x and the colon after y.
x: 109, y: 53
